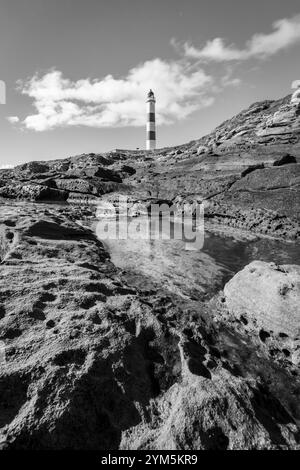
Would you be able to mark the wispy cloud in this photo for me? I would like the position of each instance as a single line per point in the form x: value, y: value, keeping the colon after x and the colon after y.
x: 13, y: 119
x: 286, y: 32
x: 117, y: 102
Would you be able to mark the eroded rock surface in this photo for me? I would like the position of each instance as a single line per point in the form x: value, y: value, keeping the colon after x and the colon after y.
x: 94, y: 361
x: 265, y: 298
x: 268, y: 295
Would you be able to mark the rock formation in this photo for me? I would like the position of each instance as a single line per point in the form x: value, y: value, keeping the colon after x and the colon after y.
x: 266, y: 298
x: 95, y: 358
x: 295, y: 100
x: 267, y: 295
x: 247, y: 169
x: 95, y: 362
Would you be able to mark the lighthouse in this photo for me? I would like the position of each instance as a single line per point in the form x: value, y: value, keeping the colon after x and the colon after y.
x: 151, y: 134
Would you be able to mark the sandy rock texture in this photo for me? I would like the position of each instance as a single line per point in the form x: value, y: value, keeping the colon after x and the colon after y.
x: 269, y: 295
x: 265, y: 297
x: 95, y: 361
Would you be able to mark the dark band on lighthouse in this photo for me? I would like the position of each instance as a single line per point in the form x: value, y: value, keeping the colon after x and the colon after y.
x: 151, y: 117
x: 151, y: 135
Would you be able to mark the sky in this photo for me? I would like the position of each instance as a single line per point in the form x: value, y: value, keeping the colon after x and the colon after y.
x: 77, y: 72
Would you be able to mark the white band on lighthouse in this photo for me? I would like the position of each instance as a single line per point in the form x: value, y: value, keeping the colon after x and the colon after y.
x: 150, y: 127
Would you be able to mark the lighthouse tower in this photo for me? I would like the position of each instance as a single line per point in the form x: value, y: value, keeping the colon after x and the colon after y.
x: 151, y: 134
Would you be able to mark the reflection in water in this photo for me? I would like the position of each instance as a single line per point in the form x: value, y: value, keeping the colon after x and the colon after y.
x: 195, y: 273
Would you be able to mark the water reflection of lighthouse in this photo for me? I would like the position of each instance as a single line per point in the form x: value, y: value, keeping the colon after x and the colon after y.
x: 151, y: 133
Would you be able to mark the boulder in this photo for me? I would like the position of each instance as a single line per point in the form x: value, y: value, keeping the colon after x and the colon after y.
x: 267, y: 296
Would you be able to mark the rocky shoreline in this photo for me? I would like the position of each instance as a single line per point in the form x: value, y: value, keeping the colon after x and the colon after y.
x: 94, y: 357
x: 247, y: 171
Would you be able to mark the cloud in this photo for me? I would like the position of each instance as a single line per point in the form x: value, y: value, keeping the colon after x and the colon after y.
x: 213, y: 50
x: 6, y: 167
x: 2, y: 92
x: 296, y: 84
x: 228, y: 79
x: 13, y: 119
x: 116, y: 102
x: 286, y: 32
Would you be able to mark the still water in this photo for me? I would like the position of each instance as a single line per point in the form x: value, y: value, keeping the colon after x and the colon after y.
x: 198, y: 273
